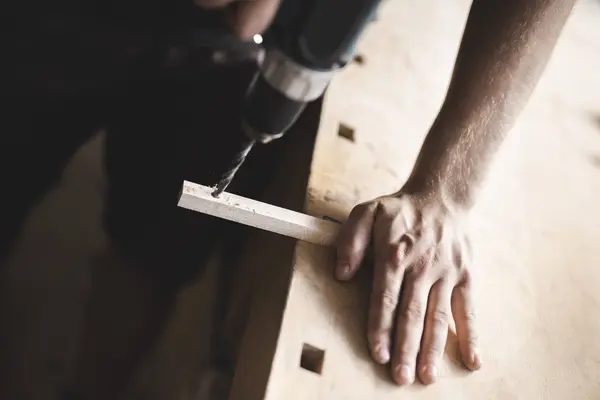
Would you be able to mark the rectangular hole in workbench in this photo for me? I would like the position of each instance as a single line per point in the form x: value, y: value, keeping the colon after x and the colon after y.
x: 346, y: 132
x: 312, y: 358
x: 359, y: 59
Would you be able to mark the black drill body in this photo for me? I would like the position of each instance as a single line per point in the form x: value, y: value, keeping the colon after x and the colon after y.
x: 308, y: 41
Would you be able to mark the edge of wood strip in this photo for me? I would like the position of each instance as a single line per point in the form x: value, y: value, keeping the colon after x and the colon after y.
x: 257, y: 214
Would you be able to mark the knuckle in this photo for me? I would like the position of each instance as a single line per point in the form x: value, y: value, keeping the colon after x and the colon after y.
x: 466, y: 278
x: 460, y: 259
x: 470, y: 317
x: 414, y: 312
x: 421, y: 267
x: 397, y: 252
x: 358, y: 209
x: 388, y: 208
x: 388, y: 299
x: 362, y: 208
x: 472, y: 340
x: 439, y: 233
x: 440, y: 316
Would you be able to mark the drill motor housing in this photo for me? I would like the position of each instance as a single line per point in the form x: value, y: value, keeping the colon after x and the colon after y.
x: 308, y: 41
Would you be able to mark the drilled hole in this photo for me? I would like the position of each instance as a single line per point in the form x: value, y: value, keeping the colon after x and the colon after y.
x: 346, y: 132
x: 312, y: 358
x: 359, y: 59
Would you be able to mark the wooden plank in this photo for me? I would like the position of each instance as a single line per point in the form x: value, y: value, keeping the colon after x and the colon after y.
x: 258, y: 214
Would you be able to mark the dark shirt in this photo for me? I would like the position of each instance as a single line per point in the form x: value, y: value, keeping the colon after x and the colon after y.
x: 67, y: 45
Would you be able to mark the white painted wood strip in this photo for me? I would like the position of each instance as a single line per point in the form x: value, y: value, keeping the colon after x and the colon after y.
x: 258, y: 214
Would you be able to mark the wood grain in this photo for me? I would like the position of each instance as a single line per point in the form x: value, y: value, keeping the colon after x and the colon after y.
x: 535, y: 228
x: 258, y: 214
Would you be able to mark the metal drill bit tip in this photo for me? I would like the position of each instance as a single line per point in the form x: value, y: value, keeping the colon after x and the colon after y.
x: 237, y: 162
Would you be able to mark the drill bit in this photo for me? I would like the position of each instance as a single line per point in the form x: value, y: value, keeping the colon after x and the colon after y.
x: 237, y: 162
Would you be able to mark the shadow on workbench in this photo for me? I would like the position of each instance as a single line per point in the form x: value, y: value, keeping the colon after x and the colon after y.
x: 47, y: 279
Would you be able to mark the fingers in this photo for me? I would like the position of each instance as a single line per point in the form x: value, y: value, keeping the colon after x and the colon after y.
x: 354, y: 239
x: 387, y: 282
x: 436, y: 331
x: 406, y: 308
x: 252, y: 17
x: 464, y: 318
x: 390, y: 251
x: 411, y: 316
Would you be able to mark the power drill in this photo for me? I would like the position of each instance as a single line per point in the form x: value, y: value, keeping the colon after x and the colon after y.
x: 308, y: 41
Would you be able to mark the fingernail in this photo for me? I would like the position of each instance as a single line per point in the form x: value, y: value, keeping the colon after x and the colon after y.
x: 343, y: 270
x: 429, y: 374
x: 382, y: 354
x: 404, y: 375
x: 475, y: 361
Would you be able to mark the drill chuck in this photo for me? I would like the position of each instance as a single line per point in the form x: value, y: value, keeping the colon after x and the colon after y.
x: 278, y: 94
x: 268, y: 113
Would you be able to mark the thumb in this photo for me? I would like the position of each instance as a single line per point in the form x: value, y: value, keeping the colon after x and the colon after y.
x: 252, y: 16
x: 354, y: 239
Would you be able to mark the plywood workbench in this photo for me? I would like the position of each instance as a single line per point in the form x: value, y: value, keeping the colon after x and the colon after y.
x: 536, y: 227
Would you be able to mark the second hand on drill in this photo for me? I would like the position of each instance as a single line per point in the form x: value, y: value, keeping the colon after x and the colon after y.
x: 237, y: 162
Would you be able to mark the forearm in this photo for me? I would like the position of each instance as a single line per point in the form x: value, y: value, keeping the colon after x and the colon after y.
x: 505, y: 47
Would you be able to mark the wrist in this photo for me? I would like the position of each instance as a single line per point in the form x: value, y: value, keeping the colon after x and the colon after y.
x: 450, y: 190
x: 447, y: 168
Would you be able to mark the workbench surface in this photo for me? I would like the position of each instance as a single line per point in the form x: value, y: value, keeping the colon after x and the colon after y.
x: 535, y: 227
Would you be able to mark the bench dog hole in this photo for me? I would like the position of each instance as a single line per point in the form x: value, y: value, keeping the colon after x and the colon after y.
x: 312, y: 358
x: 346, y: 132
x: 359, y: 59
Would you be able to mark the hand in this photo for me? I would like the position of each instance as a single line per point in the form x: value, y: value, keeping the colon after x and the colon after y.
x: 422, y: 278
x: 248, y: 17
